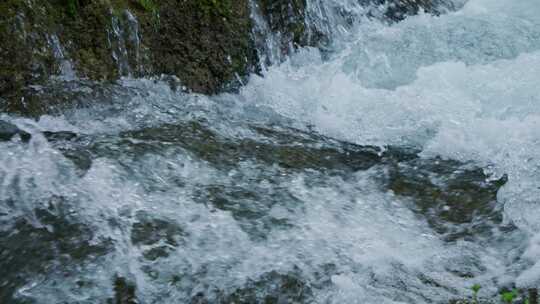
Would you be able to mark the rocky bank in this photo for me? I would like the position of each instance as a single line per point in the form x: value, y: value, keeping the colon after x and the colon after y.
x: 207, y: 45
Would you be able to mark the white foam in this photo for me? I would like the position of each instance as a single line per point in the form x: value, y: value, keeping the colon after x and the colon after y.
x: 462, y: 86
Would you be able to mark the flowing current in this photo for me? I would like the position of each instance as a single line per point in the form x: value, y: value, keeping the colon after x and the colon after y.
x: 400, y: 166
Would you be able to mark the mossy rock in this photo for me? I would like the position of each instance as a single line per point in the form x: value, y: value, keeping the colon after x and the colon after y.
x: 25, y: 57
x: 206, y: 44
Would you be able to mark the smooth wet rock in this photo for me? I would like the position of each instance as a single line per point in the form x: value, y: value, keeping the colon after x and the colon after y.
x: 60, y: 135
x: 8, y: 131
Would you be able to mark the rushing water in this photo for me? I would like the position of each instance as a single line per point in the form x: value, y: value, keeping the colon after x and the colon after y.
x: 401, y: 168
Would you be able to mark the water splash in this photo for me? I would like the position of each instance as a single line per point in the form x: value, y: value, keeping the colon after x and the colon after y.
x: 462, y: 86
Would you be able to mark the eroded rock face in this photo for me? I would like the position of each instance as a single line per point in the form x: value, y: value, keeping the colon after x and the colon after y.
x: 296, y: 25
x: 399, y: 9
x: 25, y: 57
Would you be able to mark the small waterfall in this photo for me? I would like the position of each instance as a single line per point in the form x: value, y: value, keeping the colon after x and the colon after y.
x: 67, y: 72
x: 327, y: 23
x: 133, y: 39
x: 124, y: 39
x: 267, y: 42
x: 117, y: 43
x: 322, y: 22
x: 333, y: 18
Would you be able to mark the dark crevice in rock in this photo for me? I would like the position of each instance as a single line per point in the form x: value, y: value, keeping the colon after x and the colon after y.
x: 124, y: 292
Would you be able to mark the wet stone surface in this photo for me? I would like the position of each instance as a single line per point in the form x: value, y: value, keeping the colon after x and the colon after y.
x: 458, y: 202
x: 58, y: 242
x: 8, y: 131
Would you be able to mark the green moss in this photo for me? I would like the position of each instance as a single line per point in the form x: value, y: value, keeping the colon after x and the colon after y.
x: 205, y: 43
x: 148, y: 5
x: 216, y: 7
x: 71, y: 7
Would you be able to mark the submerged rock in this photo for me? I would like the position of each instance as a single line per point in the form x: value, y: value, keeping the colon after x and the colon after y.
x: 148, y: 231
x: 249, y: 186
x: 28, y: 249
x: 124, y: 292
x: 457, y: 201
x: 295, y: 153
x: 272, y: 287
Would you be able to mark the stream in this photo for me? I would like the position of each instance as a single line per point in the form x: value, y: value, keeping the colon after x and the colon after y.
x: 400, y: 164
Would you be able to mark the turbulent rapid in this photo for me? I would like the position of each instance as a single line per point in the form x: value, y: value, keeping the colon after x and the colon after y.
x: 401, y: 164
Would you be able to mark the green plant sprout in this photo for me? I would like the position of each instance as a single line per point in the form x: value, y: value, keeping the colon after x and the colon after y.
x: 509, y: 296
x: 475, y: 288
